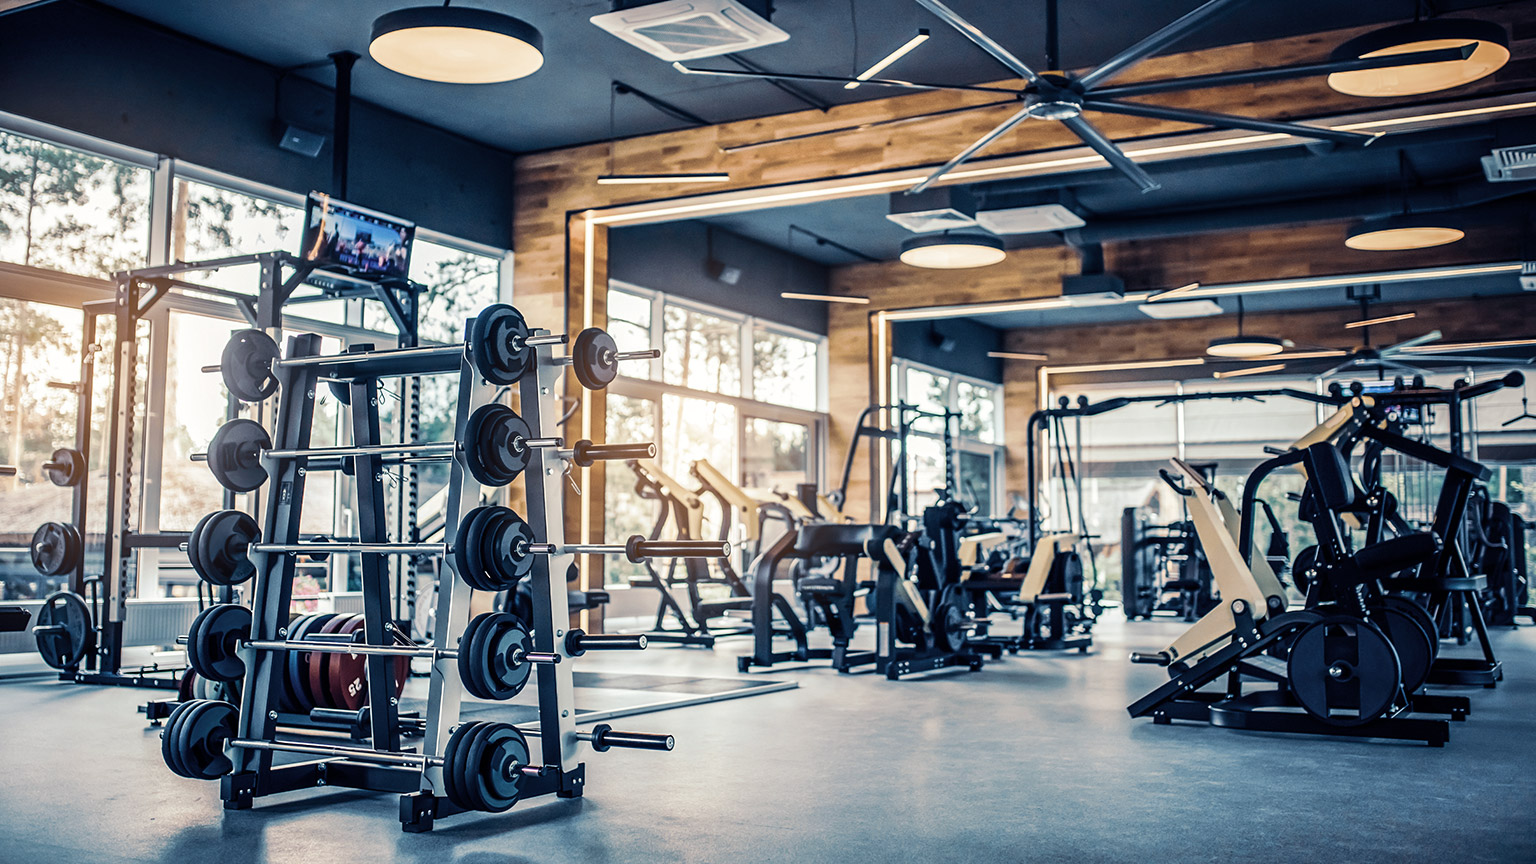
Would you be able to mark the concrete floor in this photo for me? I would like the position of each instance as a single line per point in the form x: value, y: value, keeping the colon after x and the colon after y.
x: 1033, y: 759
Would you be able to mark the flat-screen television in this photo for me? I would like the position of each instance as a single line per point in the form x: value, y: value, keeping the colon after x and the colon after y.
x: 356, y: 240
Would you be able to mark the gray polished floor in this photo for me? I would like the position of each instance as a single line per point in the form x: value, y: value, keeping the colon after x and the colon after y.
x: 1033, y: 759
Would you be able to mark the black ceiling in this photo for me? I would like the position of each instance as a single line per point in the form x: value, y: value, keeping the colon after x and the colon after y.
x: 567, y: 101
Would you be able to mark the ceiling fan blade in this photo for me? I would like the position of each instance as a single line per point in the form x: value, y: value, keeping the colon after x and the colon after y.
x: 1225, y: 121
x: 1111, y: 153
x: 1339, y: 368
x: 983, y: 141
x: 837, y: 79
x: 1155, y: 42
x: 859, y: 127
x: 973, y: 33
x: 1464, y: 358
x: 1283, y: 73
x: 1431, y: 336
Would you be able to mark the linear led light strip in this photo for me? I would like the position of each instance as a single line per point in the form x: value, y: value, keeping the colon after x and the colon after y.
x: 1385, y: 319
x: 920, y: 38
x: 830, y: 189
x: 1468, y: 346
x: 1253, y: 370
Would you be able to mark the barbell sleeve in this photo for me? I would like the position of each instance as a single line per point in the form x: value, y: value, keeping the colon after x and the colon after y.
x: 638, y: 548
x: 615, y: 357
x: 9, y: 470
x: 585, y: 453
x: 604, y: 736
x: 579, y: 642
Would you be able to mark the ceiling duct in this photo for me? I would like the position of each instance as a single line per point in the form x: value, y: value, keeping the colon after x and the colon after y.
x: 947, y: 208
x: 1508, y: 164
x: 678, y: 30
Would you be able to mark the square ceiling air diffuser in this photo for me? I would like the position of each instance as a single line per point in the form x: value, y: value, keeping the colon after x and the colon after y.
x: 677, y: 30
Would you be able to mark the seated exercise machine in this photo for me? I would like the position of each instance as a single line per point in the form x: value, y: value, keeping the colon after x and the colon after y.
x: 917, y: 630
x: 684, y: 509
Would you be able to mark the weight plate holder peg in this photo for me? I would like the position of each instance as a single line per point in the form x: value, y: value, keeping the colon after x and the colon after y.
x: 66, y: 467
x: 56, y: 548
x: 1344, y: 671
x: 63, y: 629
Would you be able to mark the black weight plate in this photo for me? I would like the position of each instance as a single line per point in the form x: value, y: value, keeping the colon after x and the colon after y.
x: 223, y: 541
x: 472, y: 765
x: 508, y: 635
x: 950, y: 622
x: 56, y: 548
x: 456, y: 756
x: 1414, y: 645
x: 469, y: 657
x: 487, y: 451
x: 63, y: 649
x: 212, y: 642
x: 501, y: 747
x: 246, y: 365
x: 70, y: 467
x: 496, y: 345
x: 1371, y: 676
x: 201, y: 738
x: 168, y: 749
x: 234, y: 455
x: 593, y: 358
x: 181, y: 743
x: 505, y: 539
x: 466, y: 554
x: 1417, y: 613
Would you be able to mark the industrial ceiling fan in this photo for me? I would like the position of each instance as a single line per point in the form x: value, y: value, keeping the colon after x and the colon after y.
x: 1064, y: 97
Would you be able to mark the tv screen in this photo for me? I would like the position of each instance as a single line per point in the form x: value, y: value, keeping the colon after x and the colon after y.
x: 364, y: 242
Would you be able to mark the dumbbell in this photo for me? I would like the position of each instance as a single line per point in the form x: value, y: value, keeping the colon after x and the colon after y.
x: 497, y: 448
x: 501, y: 349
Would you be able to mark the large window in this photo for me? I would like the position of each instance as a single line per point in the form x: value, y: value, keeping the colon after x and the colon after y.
x: 971, y: 411
x: 735, y: 391
x: 65, y: 209
x: 85, y: 207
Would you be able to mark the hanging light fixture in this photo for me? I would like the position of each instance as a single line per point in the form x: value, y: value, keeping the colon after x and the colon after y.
x: 1485, y: 44
x: 456, y: 45
x: 1244, y: 346
x: 1407, y: 231
x: 952, y: 251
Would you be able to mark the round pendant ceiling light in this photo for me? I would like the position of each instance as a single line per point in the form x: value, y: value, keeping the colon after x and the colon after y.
x: 952, y: 251
x: 1396, y: 233
x: 456, y: 45
x: 1243, y: 346
x: 1490, y: 51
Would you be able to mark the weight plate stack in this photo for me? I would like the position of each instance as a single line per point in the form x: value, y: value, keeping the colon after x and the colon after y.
x: 246, y: 365
x: 214, y: 639
x: 222, y: 542
x: 594, y: 359
x: 317, y: 667
x: 486, y: 663
x: 496, y: 345
x: 481, y: 766
x: 63, y: 629
x: 491, y: 549
x: 56, y: 548
x: 494, y: 447
x: 347, y: 677
x: 192, y: 743
x: 234, y: 455
x: 1343, y: 671
x: 66, y: 467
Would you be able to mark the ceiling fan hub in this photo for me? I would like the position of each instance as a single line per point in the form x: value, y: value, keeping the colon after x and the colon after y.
x: 1053, y: 97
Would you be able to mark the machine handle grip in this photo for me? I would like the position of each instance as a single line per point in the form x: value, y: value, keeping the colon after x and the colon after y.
x: 1513, y: 379
x: 1169, y: 479
x: 638, y: 549
x: 1156, y: 658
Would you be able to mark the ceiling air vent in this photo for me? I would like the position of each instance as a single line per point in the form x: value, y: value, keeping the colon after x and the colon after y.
x: 677, y: 30
x: 1507, y: 164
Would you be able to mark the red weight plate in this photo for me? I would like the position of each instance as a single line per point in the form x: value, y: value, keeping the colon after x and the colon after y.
x: 319, y: 664
x: 347, y: 677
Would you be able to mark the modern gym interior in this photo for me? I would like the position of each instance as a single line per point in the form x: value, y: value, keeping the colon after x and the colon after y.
x: 737, y: 430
